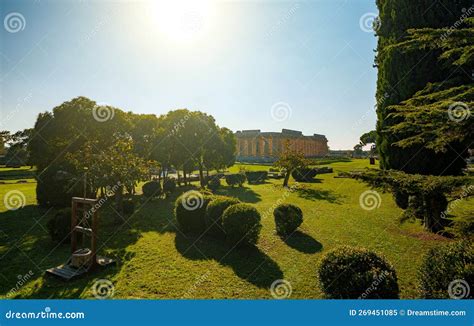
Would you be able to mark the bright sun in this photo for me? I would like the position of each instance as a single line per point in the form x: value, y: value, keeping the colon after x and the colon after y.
x: 182, y: 21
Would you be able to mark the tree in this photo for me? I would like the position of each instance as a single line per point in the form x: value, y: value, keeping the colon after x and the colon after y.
x: 406, y: 65
x: 290, y: 159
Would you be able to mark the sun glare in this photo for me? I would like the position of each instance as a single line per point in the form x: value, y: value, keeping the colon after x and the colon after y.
x: 183, y: 21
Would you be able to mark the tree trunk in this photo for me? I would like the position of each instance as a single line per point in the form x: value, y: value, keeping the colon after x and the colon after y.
x: 119, y: 203
x: 201, y: 176
x: 435, y: 206
x: 287, y: 178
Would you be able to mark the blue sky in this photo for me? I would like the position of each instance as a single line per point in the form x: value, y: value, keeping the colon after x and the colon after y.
x: 244, y: 62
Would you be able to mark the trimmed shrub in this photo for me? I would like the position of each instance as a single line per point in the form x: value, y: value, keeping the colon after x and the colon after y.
x: 401, y: 199
x: 151, y: 189
x: 128, y: 206
x: 323, y: 170
x: 214, y: 183
x: 288, y: 218
x: 59, y: 226
x: 304, y: 174
x: 56, y: 186
x: 214, y: 212
x: 235, y: 179
x: 351, y: 273
x: 190, y: 211
x: 256, y: 176
x: 169, y: 186
x: 241, y: 223
x: 447, y: 270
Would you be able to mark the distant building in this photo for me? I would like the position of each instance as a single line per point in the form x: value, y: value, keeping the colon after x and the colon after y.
x: 257, y: 146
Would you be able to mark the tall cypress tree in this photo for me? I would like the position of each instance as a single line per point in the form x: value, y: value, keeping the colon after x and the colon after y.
x: 403, y: 72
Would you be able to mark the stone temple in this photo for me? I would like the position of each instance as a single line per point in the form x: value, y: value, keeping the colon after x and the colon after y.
x: 257, y: 146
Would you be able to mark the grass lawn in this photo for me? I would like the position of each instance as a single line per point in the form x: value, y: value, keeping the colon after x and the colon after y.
x: 156, y: 261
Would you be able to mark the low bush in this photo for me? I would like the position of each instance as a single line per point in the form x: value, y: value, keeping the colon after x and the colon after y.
x: 351, y: 273
x: 169, y: 186
x: 128, y: 206
x: 304, y: 174
x: 288, y: 218
x: 59, y: 226
x: 235, y: 179
x: 256, y: 176
x: 241, y: 223
x: 190, y: 211
x: 214, y: 212
x: 151, y: 189
x: 214, y: 183
x: 323, y: 170
x: 448, y: 271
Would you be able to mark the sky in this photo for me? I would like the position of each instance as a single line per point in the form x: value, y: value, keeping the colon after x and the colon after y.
x: 262, y: 65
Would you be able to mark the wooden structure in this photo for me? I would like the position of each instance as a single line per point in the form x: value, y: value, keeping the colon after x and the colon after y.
x: 83, y: 228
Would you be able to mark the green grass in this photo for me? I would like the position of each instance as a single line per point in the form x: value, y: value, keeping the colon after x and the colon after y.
x: 156, y: 261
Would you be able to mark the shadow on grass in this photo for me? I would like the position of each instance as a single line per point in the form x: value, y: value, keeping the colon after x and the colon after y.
x: 319, y: 194
x: 244, y: 194
x: 250, y: 263
x: 303, y: 242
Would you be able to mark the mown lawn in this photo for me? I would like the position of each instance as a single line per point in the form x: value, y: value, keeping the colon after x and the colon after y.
x: 156, y: 261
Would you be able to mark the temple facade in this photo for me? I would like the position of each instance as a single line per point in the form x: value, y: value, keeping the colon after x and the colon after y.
x: 257, y: 146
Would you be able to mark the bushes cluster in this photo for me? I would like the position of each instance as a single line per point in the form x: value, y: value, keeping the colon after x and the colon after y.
x: 190, y: 211
x: 288, y: 218
x: 56, y: 186
x: 304, y: 174
x: 59, y: 226
x: 350, y: 273
x: 169, y: 186
x: 256, y: 176
x: 443, y: 265
x: 241, y: 223
x: 214, y: 212
x: 214, y: 183
x: 151, y: 189
x: 235, y: 179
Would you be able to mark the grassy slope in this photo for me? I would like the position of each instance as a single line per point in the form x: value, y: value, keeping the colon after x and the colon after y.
x: 157, y: 261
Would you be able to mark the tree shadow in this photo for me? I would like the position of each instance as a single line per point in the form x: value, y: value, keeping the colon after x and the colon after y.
x: 248, y: 263
x: 319, y: 194
x: 244, y: 194
x: 303, y: 242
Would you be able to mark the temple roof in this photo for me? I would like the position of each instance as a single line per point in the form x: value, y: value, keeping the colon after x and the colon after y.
x: 284, y: 132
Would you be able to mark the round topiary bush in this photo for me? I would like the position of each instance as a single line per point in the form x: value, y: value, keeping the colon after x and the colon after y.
x: 128, y: 206
x: 304, y: 174
x: 448, y: 272
x: 288, y: 218
x: 351, y: 273
x: 190, y: 211
x: 214, y: 212
x: 214, y: 183
x: 241, y: 223
x: 235, y: 179
x: 169, y: 186
x: 151, y: 189
x: 59, y: 226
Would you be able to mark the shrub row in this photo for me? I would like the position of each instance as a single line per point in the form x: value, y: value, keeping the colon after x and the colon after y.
x: 236, y: 179
x: 256, y: 176
x: 222, y: 216
x: 304, y: 174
